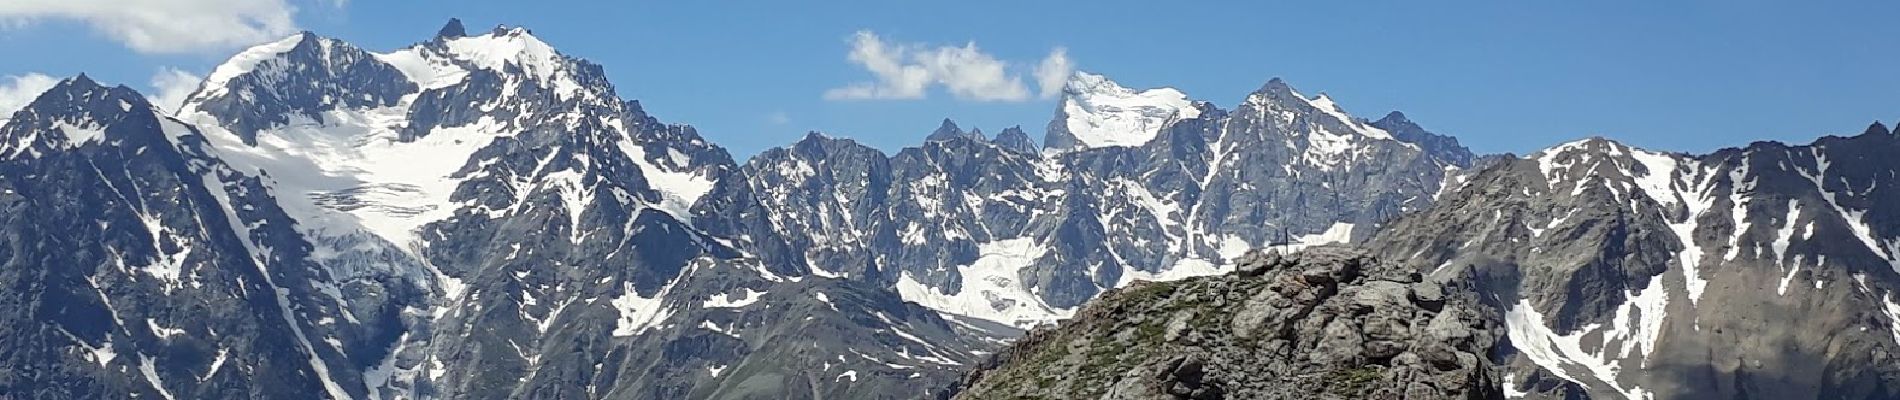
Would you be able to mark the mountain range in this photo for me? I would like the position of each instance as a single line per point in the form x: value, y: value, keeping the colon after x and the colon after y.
x: 479, y: 215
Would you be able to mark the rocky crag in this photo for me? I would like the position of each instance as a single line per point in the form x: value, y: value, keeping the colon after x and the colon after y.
x: 1323, y: 323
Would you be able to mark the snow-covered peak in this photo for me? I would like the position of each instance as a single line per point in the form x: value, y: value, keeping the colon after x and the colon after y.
x: 1101, y: 113
x: 502, y: 47
x: 246, y: 61
x: 506, y: 51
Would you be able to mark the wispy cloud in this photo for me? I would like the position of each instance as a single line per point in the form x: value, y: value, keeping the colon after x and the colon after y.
x: 1054, y: 72
x: 19, y: 90
x: 170, y: 86
x: 778, y: 118
x: 164, y: 26
x: 907, y: 71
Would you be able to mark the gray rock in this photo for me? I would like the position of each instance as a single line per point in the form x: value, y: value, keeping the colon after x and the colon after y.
x: 1353, y: 341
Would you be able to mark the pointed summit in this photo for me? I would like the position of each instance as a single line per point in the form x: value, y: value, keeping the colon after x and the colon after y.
x: 946, y: 131
x: 86, y: 81
x: 452, y: 30
x: 80, y: 110
x: 1877, y: 129
x: 84, y: 88
x: 1276, y: 85
x: 813, y: 137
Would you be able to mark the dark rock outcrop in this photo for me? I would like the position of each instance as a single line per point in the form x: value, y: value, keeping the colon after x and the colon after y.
x: 1325, y: 323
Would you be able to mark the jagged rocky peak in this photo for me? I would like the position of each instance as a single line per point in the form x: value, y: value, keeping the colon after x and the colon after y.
x: 949, y: 130
x: 1325, y: 322
x: 76, y: 111
x: 1014, y: 139
x: 1276, y: 97
x: 83, y: 95
x: 815, y: 140
x: 452, y: 30
x: 1097, y: 112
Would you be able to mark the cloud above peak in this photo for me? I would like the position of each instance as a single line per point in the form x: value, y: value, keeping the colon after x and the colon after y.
x: 170, y: 87
x: 164, y: 26
x: 1054, y: 72
x: 19, y: 90
x: 907, y: 72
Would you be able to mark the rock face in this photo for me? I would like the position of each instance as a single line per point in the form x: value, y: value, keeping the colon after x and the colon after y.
x: 1767, y: 271
x: 1323, y: 323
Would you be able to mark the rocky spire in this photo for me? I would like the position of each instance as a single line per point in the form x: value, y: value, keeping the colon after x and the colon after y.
x: 946, y: 131
x: 452, y: 30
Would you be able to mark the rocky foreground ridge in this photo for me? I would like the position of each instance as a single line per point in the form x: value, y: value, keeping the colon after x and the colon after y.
x: 1323, y: 323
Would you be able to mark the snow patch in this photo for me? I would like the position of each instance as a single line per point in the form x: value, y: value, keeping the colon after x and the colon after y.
x: 1182, y: 269
x: 1326, y: 105
x: 77, y: 135
x: 712, y: 326
x: 161, y: 331
x: 150, y: 373
x: 1893, y: 315
x: 678, y: 189
x: 723, y: 300
x: 638, y: 314
x: 990, y: 287
x: 822, y: 298
x: 1671, y: 180
x: 426, y: 70
x: 1558, y: 353
x: 1339, y: 232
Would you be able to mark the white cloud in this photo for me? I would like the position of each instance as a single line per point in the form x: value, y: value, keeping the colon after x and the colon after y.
x: 778, y: 118
x: 19, y: 90
x: 896, y: 80
x: 907, y: 71
x: 164, y: 26
x: 170, y: 86
x: 1054, y: 72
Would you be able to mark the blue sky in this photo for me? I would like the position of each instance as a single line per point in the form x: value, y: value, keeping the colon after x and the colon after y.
x: 1502, y: 76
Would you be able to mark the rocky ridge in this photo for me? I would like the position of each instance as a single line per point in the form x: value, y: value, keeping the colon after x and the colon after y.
x: 1323, y: 323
